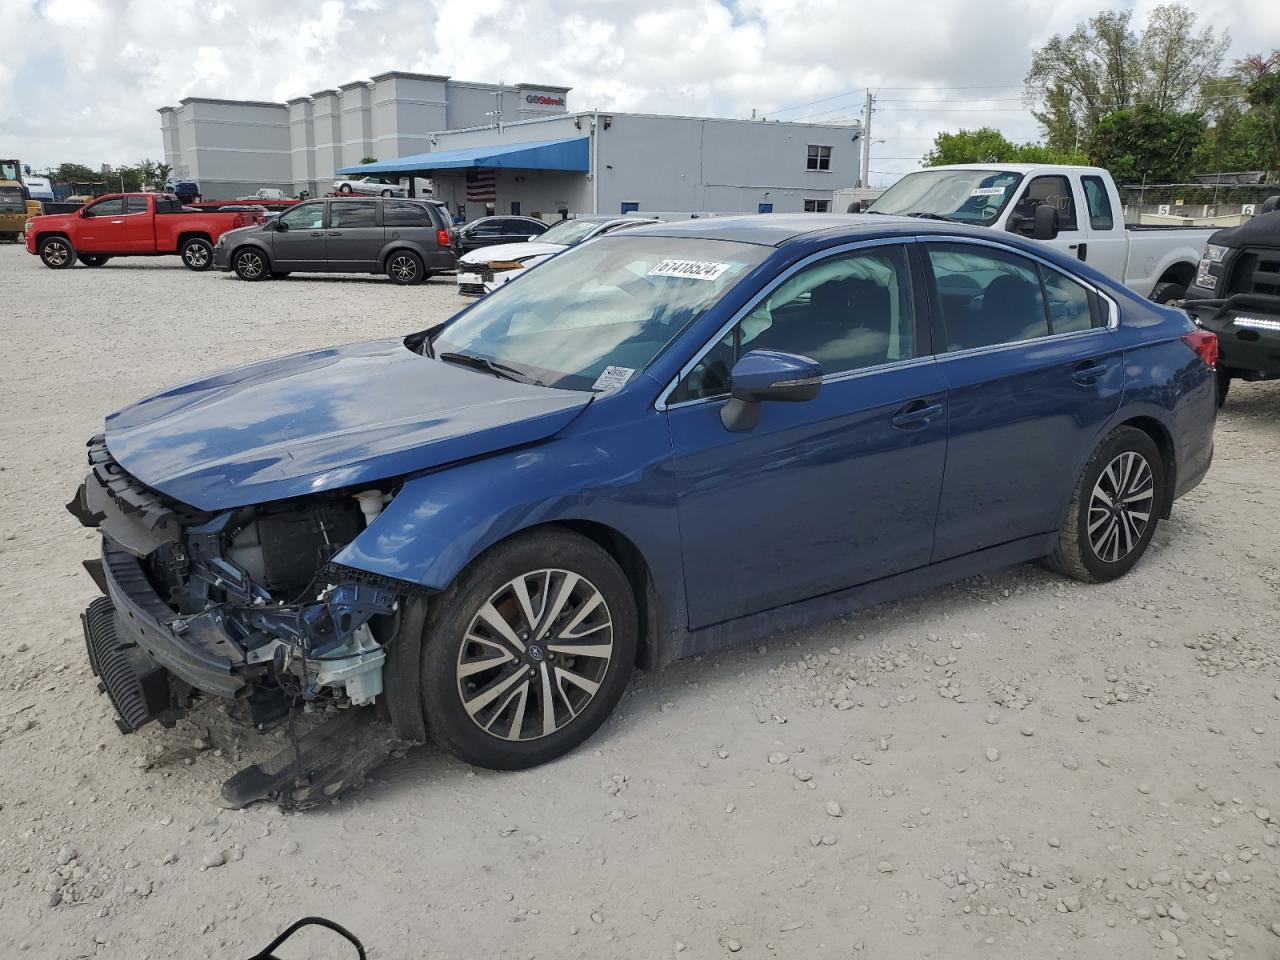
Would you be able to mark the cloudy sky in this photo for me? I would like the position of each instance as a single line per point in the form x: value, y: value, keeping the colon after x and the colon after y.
x: 80, y: 80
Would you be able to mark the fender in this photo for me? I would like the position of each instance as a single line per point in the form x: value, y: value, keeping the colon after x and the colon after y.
x: 400, y: 244
x: 442, y: 520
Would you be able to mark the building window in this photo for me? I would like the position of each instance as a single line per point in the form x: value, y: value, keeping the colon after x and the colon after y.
x: 630, y: 206
x: 765, y: 208
x: 515, y: 208
x: 817, y: 206
x: 819, y: 158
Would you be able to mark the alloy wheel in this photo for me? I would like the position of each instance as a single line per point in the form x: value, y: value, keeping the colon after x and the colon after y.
x: 56, y: 253
x: 196, y: 255
x: 250, y: 265
x: 535, y: 655
x: 403, y: 268
x: 1121, y: 506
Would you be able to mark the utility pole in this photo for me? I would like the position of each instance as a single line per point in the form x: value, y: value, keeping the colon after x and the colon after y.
x: 866, y: 140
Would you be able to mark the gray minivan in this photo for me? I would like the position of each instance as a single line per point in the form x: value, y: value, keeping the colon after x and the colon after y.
x: 408, y: 240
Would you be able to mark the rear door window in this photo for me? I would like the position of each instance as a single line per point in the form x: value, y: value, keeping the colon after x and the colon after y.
x: 350, y: 214
x: 1099, y: 203
x: 135, y: 205
x: 1072, y: 306
x: 987, y: 297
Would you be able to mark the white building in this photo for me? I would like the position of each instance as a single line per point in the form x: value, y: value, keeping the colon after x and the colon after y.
x: 233, y: 147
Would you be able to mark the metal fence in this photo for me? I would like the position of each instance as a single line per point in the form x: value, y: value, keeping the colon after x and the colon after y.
x: 1210, y: 203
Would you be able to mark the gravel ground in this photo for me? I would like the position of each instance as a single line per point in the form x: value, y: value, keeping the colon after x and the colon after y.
x: 1014, y: 766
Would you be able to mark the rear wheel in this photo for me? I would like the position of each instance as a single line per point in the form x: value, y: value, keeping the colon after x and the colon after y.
x: 93, y: 259
x: 385, y: 193
x: 197, y: 254
x: 1168, y: 293
x: 528, y: 652
x: 250, y: 264
x: 405, y: 267
x: 57, y: 253
x: 1114, y: 510
x: 345, y: 190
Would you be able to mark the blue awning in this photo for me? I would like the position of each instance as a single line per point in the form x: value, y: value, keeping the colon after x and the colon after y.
x: 573, y: 155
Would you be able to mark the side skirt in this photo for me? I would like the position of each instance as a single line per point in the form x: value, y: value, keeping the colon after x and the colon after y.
x: 744, y: 630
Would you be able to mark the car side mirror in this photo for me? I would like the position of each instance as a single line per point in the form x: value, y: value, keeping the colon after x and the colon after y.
x: 1044, y: 223
x: 280, y: 225
x: 768, y: 375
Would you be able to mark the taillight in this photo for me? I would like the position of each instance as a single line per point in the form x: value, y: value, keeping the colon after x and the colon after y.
x: 1205, y: 344
x: 443, y: 238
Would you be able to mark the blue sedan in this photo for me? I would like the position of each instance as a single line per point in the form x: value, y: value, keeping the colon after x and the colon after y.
x: 661, y: 443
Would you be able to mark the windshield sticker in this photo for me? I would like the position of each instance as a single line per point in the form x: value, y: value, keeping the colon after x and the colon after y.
x: 988, y: 192
x: 613, y: 378
x: 690, y: 269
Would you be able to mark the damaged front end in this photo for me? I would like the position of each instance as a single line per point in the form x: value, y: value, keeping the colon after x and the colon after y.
x: 246, y: 604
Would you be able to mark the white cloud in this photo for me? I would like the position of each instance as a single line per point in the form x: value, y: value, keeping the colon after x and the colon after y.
x: 85, y: 80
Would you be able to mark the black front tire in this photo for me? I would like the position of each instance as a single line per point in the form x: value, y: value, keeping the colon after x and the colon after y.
x: 93, y: 259
x: 197, y: 254
x: 1168, y: 293
x: 1077, y: 554
x: 405, y: 268
x: 452, y: 613
x: 57, y: 253
x: 250, y: 263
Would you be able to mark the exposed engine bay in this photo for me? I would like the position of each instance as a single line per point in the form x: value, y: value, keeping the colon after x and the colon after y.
x: 245, y: 604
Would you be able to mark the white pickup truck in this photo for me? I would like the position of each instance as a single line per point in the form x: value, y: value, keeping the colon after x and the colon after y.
x: 1076, y: 210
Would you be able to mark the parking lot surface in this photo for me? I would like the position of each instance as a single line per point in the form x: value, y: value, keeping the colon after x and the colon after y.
x: 1013, y: 766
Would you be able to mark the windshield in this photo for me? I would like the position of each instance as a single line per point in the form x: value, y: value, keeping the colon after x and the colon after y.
x: 569, y: 232
x: 11, y: 199
x: 592, y: 317
x: 970, y: 196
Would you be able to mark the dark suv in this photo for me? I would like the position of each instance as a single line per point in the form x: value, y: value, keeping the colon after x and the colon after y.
x: 408, y: 240
x: 1236, y: 294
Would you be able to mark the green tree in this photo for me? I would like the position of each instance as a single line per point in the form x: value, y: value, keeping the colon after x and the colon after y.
x: 1104, y: 65
x: 66, y: 172
x: 369, y: 160
x: 988, y: 145
x: 1146, y: 145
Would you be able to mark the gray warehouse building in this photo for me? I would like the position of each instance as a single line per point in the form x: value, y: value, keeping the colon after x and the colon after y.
x: 233, y: 147
x: 610, y: 162
x: 508, y: 149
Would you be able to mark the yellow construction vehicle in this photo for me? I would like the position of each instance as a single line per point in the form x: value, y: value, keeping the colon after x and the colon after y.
x: 15, y: 201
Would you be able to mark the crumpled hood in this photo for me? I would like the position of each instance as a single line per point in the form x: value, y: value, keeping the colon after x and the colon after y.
x: 323, y: 420
x: 510, y: 251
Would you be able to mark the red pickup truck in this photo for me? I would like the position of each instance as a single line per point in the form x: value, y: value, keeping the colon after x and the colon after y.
x: 131, y: 225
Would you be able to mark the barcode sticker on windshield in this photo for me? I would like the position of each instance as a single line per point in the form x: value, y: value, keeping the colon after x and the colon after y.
x: 988, y: 192
x: 613, y: 378
x: 690, y: 269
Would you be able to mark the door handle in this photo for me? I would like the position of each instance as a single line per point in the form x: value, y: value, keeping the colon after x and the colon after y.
x: 335, y: 233
x: 916, y: 414
x: 1081, y: 249
x: 317, y: 233
x: 117, y: 221
x: 1090, y: 372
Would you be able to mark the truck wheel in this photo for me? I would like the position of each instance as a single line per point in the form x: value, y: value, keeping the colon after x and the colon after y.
x: 93, y: 259
x: 1223, y: 376
x: 250, y: 264
x: 57, y: 253
x: 405, y: 268
x: 1168, y: 293
x: 197, y: 254
x: 528, y: 651
x: 1114, y: 510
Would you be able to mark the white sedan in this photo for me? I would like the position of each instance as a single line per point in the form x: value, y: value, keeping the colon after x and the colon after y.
x: 484, y: 270
x: 372, y: 186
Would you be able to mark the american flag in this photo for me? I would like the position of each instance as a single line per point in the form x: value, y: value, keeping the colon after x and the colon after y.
x: 482, y: 186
